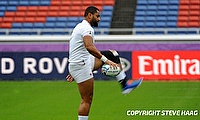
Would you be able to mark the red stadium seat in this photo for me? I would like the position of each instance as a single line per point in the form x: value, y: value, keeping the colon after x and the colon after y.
x: 193, y: 24
x: 66, y: 3
x: 42, y: 13
x: 43, y: 8
x: 22, y: 8
x: 9, y: 14
x: 56, y: 2
x: 29, y: 19
x: 184, y: 12
x: 52, y: 13
x: 184, y: 2
x: 63, y: 13
x: 76, y: 8
x: 40, y: 19
x: 109, y: 2
x: 194, y: 2
x: 194, y: 12
x: 193, y: 18
x: 65, y: 8
x: 183, y: 18
x: 31, y: 14
x: 98, y: 2
x: 184, y: 7
x: 32, y: 8
x: 195, y: 7
x: 74, y: 13
x: 6, y: 25
x: 8, y: 19
x: 19, y: 19
x: 87, y: 2
x: 54, y: 8
x: 20, y: 14
x: 76, y: 2
x: 182, y: 24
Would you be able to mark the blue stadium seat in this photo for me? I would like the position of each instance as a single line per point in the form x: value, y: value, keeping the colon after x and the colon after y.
x: 151, y: 13
x: 1, y: 14
x: 13, y: 2
x: 23, y: 3
x: 45, y: 3
x: 140, y: 13
x: 27, y: 25
x: 49, y: 25
x: 34, y: 3
x: 171, y: 24
x: 104, y: 25
x: 3, y: 3
x: 172, y: 18
x: 71, y: 24
x: 11, y: 8
x: 160, y: 24
x: 173, y: 7
x: 140, y: 18
x: 62, y: 19
x: 150, y: 18
x: 139, y: 24
x: 2, y: 33
x: 162, y: 7
x: 17, y: 25
x: 172, y: 12
x: 152, y: 2
x: 162, y: 13
x: 141, y: 7
x: 106, y: 13
x: 141, y: 2
x: 51, y: 19
x: 174, y: 2
x: 105, y: 19
x: 163, y: 2
x: 107, y: 8
x: 150, y: 24
x: 2, y: 8
x: 152, y: 7
x: 60, y: 25
x: 161, y: 18
x: 38, y: 25
x: 73, y: 19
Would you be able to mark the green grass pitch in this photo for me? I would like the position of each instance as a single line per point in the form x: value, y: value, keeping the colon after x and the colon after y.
x: 59, y: 100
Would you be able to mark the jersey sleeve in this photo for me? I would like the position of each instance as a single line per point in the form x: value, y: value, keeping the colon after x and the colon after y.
x: 87, y: 31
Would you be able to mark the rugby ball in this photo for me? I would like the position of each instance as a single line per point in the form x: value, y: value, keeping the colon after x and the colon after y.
x: 109, y: 71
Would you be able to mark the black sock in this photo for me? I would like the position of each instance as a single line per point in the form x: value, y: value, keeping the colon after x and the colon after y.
x: 123, y: 82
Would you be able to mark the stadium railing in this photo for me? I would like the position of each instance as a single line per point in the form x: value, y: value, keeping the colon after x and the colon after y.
x: 102, y: 31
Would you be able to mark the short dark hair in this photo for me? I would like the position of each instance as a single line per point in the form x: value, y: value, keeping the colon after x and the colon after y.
x: 90, y: 9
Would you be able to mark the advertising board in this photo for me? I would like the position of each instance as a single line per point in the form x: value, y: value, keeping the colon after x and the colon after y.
x: 45, y: 65
x: 181, y: 65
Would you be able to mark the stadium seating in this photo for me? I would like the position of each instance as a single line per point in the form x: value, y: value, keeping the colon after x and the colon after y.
x: 65, y: 14
x: 50, y: 14
x: 167, y: 14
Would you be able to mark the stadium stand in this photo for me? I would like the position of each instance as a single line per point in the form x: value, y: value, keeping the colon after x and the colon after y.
x: 170, y: 14
x: 47, y: 17
x: 49, y: 14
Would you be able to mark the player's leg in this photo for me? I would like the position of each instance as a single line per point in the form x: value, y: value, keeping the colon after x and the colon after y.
x: 86, y: 92
x: 127, y: 84
x: 82, y: 73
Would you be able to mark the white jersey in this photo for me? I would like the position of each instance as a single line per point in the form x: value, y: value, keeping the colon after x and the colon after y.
x: 77, y: 50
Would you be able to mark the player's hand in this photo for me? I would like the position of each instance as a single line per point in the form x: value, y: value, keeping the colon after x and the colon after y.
x: 112, y: 64
x: 69, y: 78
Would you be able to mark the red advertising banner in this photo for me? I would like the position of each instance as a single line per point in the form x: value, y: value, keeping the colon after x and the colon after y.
x: 183, y: 65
